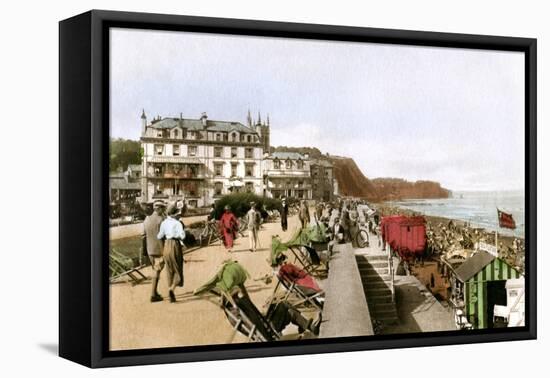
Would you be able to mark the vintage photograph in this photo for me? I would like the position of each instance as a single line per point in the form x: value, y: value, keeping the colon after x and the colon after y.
x: 265, y: 189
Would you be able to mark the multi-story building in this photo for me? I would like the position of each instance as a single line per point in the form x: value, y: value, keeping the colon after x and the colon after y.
x: 125, y: 186
x: 201, y: 159
x: 322, y: 180
x: 287, y: 174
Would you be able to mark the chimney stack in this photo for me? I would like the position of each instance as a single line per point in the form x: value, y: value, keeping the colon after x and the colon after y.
x: 204, y: 118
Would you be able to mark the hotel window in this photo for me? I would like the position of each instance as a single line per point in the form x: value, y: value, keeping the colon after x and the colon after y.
x: 248, y: 138
x: 192, y: 151
x: 218, y: 169
x: 300, y: 164
x: 233, y: 152
x: 248, y: 153
x: 218, y: 152
x: 218, y: 187
x: 234, y: 169
x: 176, y: 149
x: 276, y: 164
x: 234, y: 137
x: 159, y: 149
x: 218, y: 137
x: 176, y: 133
x: 288, y: 164
x: 249, y: 187
x: 300, y: 184
x: 249, y: 170
x: 184, y: 134
x: 159, y: 133
x: 192, y: 135
x: 158, y: 170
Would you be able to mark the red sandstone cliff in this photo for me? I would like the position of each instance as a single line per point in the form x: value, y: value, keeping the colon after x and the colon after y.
x: 351, y: 181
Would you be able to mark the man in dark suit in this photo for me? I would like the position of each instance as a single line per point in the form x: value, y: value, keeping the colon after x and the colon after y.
x: 153, y: 246
x: 284, y: 215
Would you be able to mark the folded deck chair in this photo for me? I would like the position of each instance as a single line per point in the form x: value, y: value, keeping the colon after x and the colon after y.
x: 120, y: 266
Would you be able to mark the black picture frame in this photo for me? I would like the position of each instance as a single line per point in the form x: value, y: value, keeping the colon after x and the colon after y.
x: 83, y: 182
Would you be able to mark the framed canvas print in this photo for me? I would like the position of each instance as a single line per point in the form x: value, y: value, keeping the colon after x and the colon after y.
x: 234, y: 188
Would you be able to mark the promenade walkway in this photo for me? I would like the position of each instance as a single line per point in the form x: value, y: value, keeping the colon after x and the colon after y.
x: 135, y: 322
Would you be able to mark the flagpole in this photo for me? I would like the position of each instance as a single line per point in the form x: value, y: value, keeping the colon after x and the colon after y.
x: 496, y: 231
x: 496, y: 241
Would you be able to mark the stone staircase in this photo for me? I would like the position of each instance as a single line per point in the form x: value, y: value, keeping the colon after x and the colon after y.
x: 377, y: 282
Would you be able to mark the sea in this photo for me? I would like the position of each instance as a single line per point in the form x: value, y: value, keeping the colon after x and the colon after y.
x: 477, y: 207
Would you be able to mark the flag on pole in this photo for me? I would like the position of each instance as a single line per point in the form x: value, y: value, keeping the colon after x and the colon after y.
x: 506, y: 220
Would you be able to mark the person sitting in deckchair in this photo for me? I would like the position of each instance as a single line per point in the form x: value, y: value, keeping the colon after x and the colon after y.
x: 302, y: 279
x: 229, y: 282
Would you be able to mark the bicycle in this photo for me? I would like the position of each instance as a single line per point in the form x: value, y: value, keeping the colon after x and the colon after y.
x: 362, y: 238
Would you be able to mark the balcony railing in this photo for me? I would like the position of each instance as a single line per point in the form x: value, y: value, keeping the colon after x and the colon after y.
x: 287, y: 173
x: 179, y: 176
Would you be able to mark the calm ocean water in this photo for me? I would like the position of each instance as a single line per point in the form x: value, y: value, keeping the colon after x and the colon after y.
x: 478, y: 208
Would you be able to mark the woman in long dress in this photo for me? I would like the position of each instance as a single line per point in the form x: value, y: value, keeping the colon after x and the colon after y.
x: 172, y: 233
x: 229, y: 225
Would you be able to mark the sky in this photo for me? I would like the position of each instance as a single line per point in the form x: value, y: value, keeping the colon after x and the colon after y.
x: 455, y: 116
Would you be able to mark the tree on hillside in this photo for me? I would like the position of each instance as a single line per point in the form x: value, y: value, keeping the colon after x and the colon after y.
x: 124, y: 152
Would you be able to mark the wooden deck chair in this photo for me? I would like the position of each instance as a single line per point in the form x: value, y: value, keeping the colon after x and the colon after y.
x: 292, y: 288
x: 245, y: 318
x: 120, y: 266
x: 310, y: 260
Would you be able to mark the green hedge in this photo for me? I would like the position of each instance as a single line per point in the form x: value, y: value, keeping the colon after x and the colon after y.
x: 240, y: 203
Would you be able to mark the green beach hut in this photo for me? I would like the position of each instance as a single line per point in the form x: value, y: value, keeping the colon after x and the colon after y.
x: 480, y: 281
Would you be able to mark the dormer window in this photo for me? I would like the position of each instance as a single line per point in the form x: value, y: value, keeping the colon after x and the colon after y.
x: 176, y: 133
x: 159, y: 133
x: 249, y: 138
x: 234, y: 137
x: 276, y: 164
x: 218, y: 137
x: 288, y: 164
x: 300, y: 164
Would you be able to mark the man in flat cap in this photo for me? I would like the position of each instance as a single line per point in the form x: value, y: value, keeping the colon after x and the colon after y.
x: 153, y: 246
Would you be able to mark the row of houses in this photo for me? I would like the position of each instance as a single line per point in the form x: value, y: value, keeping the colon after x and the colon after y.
x: 202, y: 159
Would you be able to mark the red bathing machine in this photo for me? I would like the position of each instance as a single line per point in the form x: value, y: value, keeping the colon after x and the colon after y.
x: 406, y: 235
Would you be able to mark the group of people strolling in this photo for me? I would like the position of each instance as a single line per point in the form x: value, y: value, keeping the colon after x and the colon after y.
x: 229, y: 227
x: 162, y: 237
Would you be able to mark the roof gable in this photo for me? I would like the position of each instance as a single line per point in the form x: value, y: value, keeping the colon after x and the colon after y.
x: 196, y: 124
x: 473, y: 265
x: 287, y: 155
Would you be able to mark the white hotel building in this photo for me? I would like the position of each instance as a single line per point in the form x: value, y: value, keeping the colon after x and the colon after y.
x: 201, y: 159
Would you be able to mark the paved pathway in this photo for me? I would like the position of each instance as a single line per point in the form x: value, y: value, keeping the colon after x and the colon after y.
x: 138, y: 323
